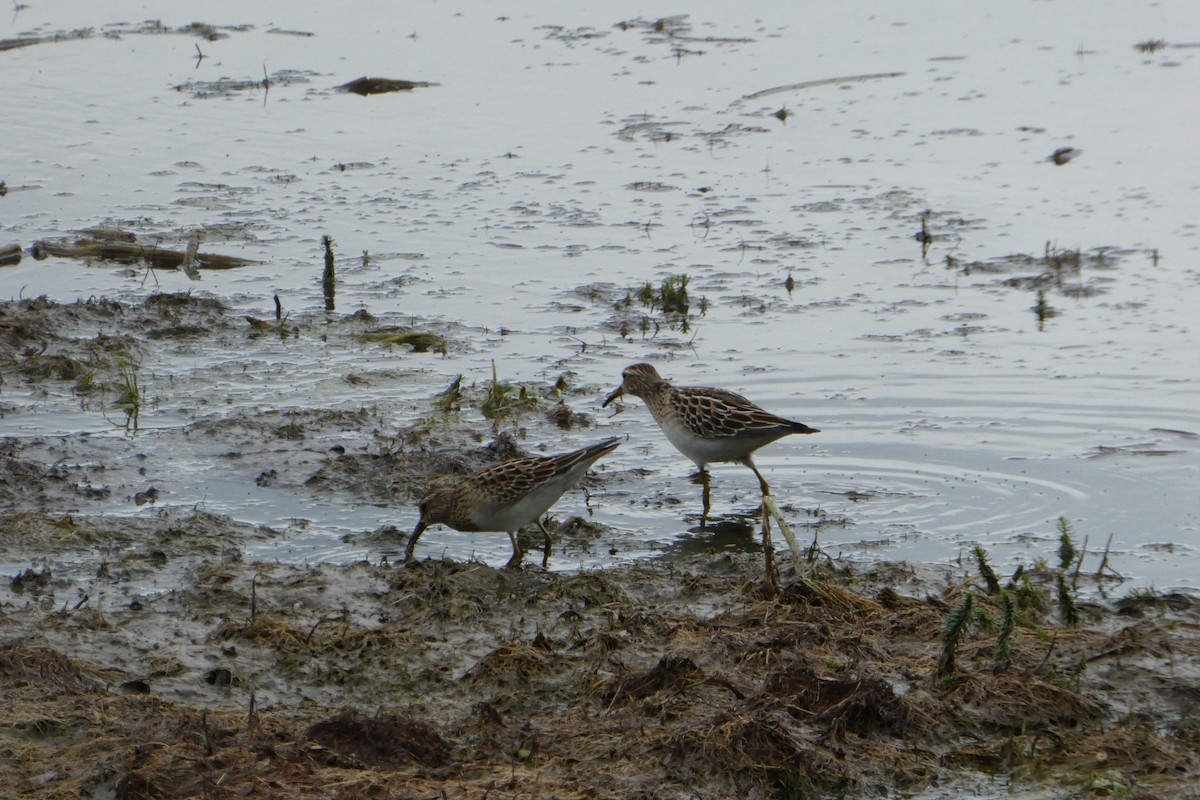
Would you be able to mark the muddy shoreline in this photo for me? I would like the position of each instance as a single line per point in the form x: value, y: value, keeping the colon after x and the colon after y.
x: 670, y: 678
x: 149, y: 656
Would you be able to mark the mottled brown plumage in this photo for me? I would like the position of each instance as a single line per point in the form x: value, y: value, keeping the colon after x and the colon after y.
x: 507, y: 496
x: 707, y: 425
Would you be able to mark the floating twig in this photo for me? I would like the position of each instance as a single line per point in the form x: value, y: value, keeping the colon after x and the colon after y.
x: 772, y: 509
x: 771, y: 577
x: 133, y: 252
x: 365, y: 86
x: 791, y: 87
x: 1079, y: 563
x: 1104, y: 559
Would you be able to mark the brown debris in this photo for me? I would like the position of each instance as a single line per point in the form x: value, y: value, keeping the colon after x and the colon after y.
x: 672, y: 673
x: 10, y: 255
x: 123, y: 247
x: 1063, y: 155
x: 47, y: 669
x: 390, y: 742
x: 365, y: 86
x: 864, y: 706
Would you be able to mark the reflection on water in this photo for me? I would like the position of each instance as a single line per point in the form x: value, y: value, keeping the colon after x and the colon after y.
x: 987, y: 339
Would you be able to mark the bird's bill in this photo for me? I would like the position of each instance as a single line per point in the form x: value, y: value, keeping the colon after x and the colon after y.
x: 416, y: 534
x: 620, y: 390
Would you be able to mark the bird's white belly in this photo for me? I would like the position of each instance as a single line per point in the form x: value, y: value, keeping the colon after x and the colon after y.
x: 701, y: 451
x: 528, y: 509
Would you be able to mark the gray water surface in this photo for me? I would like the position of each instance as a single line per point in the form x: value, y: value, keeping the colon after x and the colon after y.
x: 567, y: 154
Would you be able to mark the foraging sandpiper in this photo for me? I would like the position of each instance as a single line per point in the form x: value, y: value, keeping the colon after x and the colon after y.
x: 507, y: 496
x: 707, y: 425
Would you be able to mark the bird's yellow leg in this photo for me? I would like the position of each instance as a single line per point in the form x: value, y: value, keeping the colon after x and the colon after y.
x: 549, y: 545
x: 515, y: 561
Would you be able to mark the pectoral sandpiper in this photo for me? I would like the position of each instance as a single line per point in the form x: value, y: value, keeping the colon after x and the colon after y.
x: 507, y: 496
x: 707, y: 425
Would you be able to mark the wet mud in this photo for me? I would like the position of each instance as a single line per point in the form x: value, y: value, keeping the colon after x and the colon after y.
x: 665, y: 679
x: 152, y: 656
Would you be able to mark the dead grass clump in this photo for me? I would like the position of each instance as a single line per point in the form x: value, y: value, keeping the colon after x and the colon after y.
x: 1140, y: 604
x: 866, y: 706
x: 514, y: 664
x: 67, y: 734
x: 264, y: 630
x: 335, y: 650
x: 1134, y: 747
x: 46, y: 669
x: 1144, y: 637
x: 828, y: 595
x: 359, y: 641
x: 169, y: 302
x: 764, y: 749
x: 892, y: 601
x: 24, y: 482
x: 590, y: 589
x: 37, y: 317
x: 775, y: 641
x: 191, y: 755
x: 490, y: 742
x: 439, y: 590
x: 388, y: 742
x: 55, y: 366
x: 136, y: 786
x: 1018, y: 702
x: 674, y: 674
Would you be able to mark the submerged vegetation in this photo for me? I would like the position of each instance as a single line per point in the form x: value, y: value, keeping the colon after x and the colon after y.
x: 503, y: 400
x: 1071, y: 273
x: 328, y: 276
x: 668, y: 303
x: 1018, y: 604
x: 1043, y: 310
x: 671, y: 296
x: 1066, y: 547
x: 129, y: 393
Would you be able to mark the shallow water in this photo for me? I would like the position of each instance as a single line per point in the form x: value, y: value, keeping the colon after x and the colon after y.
x: 560, y: 150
